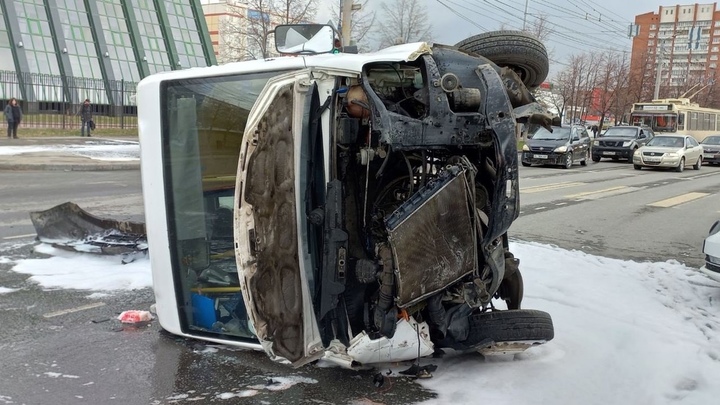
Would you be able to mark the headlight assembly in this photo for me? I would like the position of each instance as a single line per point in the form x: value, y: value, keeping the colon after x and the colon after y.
x: 596, y: 143
x: 525, y: 147
x: 561, y: 149
x: 672, y: 155
x: 627, y: 143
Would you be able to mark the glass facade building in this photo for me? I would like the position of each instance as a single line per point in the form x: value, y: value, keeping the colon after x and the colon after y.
x: 100, y: 41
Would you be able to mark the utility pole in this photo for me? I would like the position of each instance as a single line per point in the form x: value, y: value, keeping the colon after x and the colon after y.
x: 658, y: 69
x: 525, y: 15
x: 346, y: 24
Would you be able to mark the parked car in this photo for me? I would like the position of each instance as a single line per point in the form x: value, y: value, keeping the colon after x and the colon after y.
x: 674, y: 151
x: 711, y: 249
x: 620, y: 142
x: 711, y: 149
x: 563, y: 146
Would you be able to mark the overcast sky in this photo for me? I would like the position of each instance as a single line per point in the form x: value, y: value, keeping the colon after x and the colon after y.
x: 605, y: 29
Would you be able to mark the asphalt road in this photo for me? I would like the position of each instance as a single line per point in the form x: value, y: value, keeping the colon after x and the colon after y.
x: 86, y: 356
x: 612, y: 210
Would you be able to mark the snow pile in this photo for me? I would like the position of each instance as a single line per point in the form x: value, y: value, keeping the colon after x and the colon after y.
x: 99, y: 150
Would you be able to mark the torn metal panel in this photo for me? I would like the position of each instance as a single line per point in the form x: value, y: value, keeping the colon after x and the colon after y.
x: 67, y: 226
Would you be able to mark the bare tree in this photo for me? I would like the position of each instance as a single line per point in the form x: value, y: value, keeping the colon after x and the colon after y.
x: 246, y: 35
x: 405, y: 21
x: 363, y: 20
x: 539, y: 27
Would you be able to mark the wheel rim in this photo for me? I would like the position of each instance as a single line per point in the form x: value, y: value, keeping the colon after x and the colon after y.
x: 568, y: 160
x: 681, y: 166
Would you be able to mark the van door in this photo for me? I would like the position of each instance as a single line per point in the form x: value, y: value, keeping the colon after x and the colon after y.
x: 271, y: 223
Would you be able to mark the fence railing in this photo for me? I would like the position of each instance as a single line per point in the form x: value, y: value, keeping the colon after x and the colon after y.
x: 53, y: 101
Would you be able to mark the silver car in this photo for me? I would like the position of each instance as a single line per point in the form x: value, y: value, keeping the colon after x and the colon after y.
x: 711, y: 149
x: 674, y: 151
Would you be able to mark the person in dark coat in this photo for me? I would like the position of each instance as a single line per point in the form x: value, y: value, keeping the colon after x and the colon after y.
x: 13, y: 116
x: 85, y: 114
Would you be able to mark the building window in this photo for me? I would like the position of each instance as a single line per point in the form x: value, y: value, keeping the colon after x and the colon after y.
x: 37, y: 39
x: 151, y: 36
x: 185, y: 34
x: 78, y: 38
x: 117, y: 37
x: 651, y: 42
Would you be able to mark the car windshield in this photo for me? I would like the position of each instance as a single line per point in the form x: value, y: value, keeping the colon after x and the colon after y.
x: 558, y: 134
x: 620, y: 132
x: 711, y: 140
x: 667, y: 141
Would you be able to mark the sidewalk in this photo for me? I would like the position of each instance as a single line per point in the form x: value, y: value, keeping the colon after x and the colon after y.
x: 56, y: 153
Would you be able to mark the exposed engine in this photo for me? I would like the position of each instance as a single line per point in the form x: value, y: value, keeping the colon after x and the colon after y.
x: 427, y: 187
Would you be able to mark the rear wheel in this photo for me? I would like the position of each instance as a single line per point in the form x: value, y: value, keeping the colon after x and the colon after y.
x: 509, y: 326
x: 521, y: 52
x: 698, y: 164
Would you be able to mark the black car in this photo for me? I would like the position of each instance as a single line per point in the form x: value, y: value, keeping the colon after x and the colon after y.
x: 563, y: 146
x: 620, y: 142
x: 711, y: 149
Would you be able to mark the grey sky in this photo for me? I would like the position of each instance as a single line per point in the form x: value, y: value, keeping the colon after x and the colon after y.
x: 604, y: 29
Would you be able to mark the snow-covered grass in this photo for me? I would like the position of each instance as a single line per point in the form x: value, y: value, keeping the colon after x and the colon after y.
x: 99, y: 150
x: 625, y: 332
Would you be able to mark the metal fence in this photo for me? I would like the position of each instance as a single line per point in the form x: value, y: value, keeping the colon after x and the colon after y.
x: 53, y: 101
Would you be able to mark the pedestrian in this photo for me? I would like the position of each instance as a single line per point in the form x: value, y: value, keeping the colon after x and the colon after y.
x: 13, y: 116
x: 595, y: 130
x: 85, y: 114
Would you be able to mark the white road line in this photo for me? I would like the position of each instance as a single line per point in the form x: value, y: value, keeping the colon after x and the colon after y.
x: 76, y: 309
x: 671, y: 202
x: 548, y: 187
x: 540, y: 208
x: 597, y: 192
x: 19, y: 236
x: 561, y: 203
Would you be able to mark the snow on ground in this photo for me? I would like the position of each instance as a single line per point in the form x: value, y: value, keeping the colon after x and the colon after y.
x: 99, y: 150
x: 84, y: 271
x: 625, y: 332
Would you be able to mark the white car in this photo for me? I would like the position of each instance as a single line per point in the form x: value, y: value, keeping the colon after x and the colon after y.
x: 671, y: 151
x: 711, y: 249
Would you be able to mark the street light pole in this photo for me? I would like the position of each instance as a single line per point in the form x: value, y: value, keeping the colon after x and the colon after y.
x: 658, y: 70
x: 346, y: 27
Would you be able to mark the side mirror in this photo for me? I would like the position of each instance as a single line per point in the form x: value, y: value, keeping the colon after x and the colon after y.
x: 304, y: 39
x: 575, y: 138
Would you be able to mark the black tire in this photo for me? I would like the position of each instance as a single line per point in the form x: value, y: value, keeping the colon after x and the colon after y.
x: 509, y: 326
x: 568, y: 160
x: 698, y: 164
x: 586, y: 158
x: 596, y: 159
x: 518, y: 50
x: 526, y: 164
x: 681, y: 166
x: 637, y: 167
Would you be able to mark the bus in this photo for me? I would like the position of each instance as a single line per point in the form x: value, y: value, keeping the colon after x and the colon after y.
x: 672, y: 115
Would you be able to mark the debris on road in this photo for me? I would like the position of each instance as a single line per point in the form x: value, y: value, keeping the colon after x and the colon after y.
x: 135, y: 316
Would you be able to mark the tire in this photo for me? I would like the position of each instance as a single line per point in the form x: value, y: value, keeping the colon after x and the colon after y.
x: 637, y: 167
x: 568, y: 160
x: 509, y: 326
x: 698, y: 164
x: 596, y: 159
x: 522, y: 52
x: 526, y: 164
x: 681, y: 166
x: 585, y: 159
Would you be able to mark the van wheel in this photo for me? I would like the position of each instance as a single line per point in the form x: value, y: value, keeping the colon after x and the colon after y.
x: 521, y: 52
x: 510, y: 326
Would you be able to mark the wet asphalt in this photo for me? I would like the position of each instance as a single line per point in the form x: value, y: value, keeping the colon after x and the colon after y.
x: 48, y: 356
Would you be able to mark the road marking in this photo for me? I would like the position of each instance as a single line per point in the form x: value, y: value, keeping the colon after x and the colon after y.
x: 671, y: 202
x: 597, y: 192
x: 561, y: 203
x: 540, y: 208
x: 549, y: 187
x: 19, y: 236
x: 76, y: 309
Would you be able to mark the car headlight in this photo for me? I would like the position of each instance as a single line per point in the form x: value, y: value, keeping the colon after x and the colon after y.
x: 525, y: 147
x: 637, y: 152
x: 596, y: 143
x: 672, y: 155
x: 626, y: 144
x: 561, y: 149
